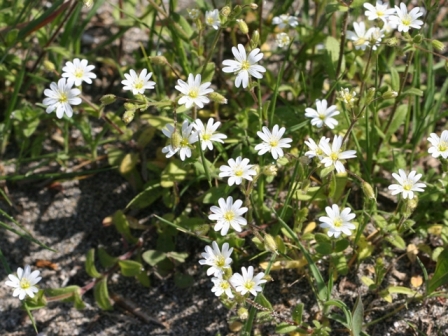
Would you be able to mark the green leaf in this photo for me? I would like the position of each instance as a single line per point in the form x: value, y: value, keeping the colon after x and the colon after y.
x: 414, y: 92
x: 128, y: 163
x: 397, y: 241
x: 285, y: 328
x: 401, y: 290
x: 174, y: 172
x: 90, y: 264
x: 357, y: 316
x: 440, y: 276
x: 159, y: 122
x: 341, y: 245
x: 37, y: 302
x: 324, y: 248
x: 148, y: 196
x: 121, y: 223
x: 399, y: 118
x: 394, y: 79
x: 130, y: 267
x: 180, y: 257
x: 261, y: 299
x: 67, y: 294
x: 209, y: 72
x: 144, y: 279
x: 297, y: 313
x: 181, y: 26
x: 106, y: 259
x: 101, y: 294
x: 153, y: 257
x: 183, y: 280
x: 332, y: 49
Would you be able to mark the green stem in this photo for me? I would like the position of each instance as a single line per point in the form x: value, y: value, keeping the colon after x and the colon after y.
x: 204, y: 164
x: 210, y: 53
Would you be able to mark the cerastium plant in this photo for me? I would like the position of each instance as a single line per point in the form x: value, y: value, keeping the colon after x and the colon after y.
x: 246, y: 125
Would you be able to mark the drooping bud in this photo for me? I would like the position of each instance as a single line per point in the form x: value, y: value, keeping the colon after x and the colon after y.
x: 108, y: 99
x: 88, y: 3
x: 217, y: 98
x: 225, y: 11
x: 368, y: 190
x: 128, y: 116
x: 438, y: 45
x: 270, y: 170
x: 253, y: 6
x: 242, y: 26
x: 49, y: 66
x: 391, y: 42
x: 417, y: 38
x: 270, y: 244
x: 255, y: 39
x: 130, y: 106
x: 389, y: 94
x: 159, y: 60
x: 243, y: 313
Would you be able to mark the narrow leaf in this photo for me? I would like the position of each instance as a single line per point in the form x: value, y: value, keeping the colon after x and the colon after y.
x: 90, y: 264
x: 440, y: 276
x: 101, y: 294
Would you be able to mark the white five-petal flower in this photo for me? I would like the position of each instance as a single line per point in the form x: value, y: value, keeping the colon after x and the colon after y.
x: 237, y: 170
x: 244, y: 65
x: 24, y: 283
x: 408, y: 184
x: 193, y: 92
x: 180, y: 142
x: 404, y: 20
x: 323, y: 115
x: 193, y: 13
x: 79, y: 71
x: 379, y: 11
x: 217, y: 259
x: 337, y: 221
x: 283, y: 40
x: 439, y: 145
x: 333, y: 155
x: 207, y: 134
x: 228, y: 214
x: 212, y: 19
x: 285, y: 20
x: 315, y: 149
x: 138, y: 84
x: 272, y: 142
x: 359, y: 36
x: 247, y: 282
x: 60, y: 98
x: 221, y: 286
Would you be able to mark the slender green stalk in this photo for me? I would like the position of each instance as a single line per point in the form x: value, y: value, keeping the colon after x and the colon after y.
x: 210, y: 52
x: 204, y: 163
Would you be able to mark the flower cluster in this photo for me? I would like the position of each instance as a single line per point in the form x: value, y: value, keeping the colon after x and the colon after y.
x: 223, y: 279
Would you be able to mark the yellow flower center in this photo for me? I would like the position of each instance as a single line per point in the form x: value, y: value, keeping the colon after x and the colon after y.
x: 273, y: 143
x: 443, y: 146
x: 334, y: 156
x: 25, y: 284
x: 79, y: 73
x: 206, y: 137
x: 63, y: 98
x: 238, y: 172
x: 138, y: 84
x: 245, y: 65
x: 220, y: 261
x: 229, y: 216
x: 379, y: 13
x: 322, y: 116
x: 249, y: 285
x: 210, y: 20
x: 184, y: 143
x: 337, y: 222
x: 407, y: 186
x: 360, y: 41
x: 406, y: 20
x: 225, y: 285
x: 193, y: 93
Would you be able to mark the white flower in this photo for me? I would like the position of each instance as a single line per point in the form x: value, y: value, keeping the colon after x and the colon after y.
x: 212, y: 19
x: 337, y: 222
x: 334, y: 155
x: 228, y: 214
x: 217, y: 259
x: 404, y: 20
x: 285, y: 20
x: 222, y: 286
x: 380, y: 11
x: 359, y: 37
x: 207, y: 133
x: 194, y: 92
x: 244, y: 65
x: 24, y: 283
x: 247, y: 282
x: 273, y: 142
x: 237, y: 170
x: 348, y: 97
x: 60, y: 98
x: 407, y: 184
x: 439, y: 145
x: 79, y: 71
x: 138, y: 84
x: 375, y: 36
x: 180, y: 142
x: 315, y: 149
x: 193, y: 13
x: 283, y: 40
x: 323, y: 115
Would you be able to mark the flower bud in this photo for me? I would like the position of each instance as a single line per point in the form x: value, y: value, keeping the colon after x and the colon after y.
x: 236, y: 11
x: 49, y: 66
x: 108, y: 99
x: 225, y: 11
x: 370, y: 95
x: 389, y: 94
x: 438, y: 45
x: 130, y: 106
x: 255, y: 39
x: 242, y: 26
x: 253, y: 6
x: 270, y: 170
x: 270, y: 244
x: 128, y: 116
x: 88, y: 3
x: 368, y: 190
x: 193, y: 13
x: 158, y: 60
x: 243, y: 313
x: 175, y: 140
x: 417, y: 38
x: 392, y: 42
x: 217, y: 98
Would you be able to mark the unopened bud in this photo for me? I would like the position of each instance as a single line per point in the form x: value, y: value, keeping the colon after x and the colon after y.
x: 368, y: 190
x: 225, y: 11
x: 128, y: 116
x: 392, y: 42
x: 253, y: 6
x: 217, y: 98
x: 389, y: 94
x: 243, y: 313
x: 270, y: 244
x: 370, y: 95
x: 438, y: 45
x: 175, y: 140
x: 270, y: 170
x: 410, y: 206
x: 88, y: 3
x: 193, y: 13
x: 130, y: 106
x: 159, y: 60
x: 255, y: 41
x: 417, y: 38
x: 242, y: 26
x: 108, y: 99
x: 49, y: 66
